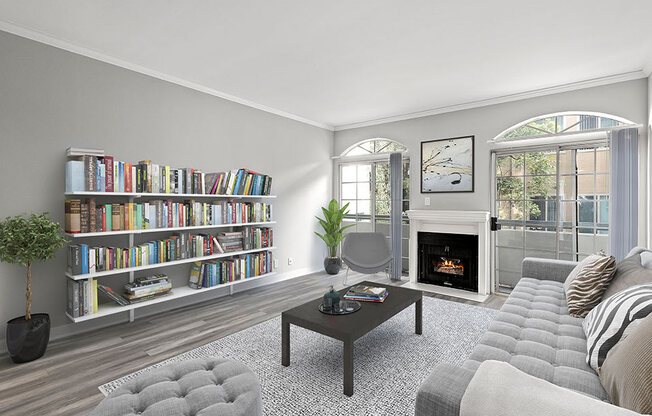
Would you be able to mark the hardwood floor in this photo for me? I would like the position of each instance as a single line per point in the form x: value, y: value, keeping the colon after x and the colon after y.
x: 65, y: 380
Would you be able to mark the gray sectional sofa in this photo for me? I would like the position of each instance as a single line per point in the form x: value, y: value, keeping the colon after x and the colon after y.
x: 533, y: 332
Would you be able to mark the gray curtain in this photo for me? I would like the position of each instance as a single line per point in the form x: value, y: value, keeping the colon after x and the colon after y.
x: 396, y: 198
x: 623, y: 192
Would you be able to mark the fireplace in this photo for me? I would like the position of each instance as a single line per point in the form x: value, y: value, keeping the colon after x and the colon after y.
x: 448, y: 260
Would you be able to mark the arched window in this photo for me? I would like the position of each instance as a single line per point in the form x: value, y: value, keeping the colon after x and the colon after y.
x: 551, y: 190
x: 561, y: 123
x: 373, y: 146
x: 363, y: 182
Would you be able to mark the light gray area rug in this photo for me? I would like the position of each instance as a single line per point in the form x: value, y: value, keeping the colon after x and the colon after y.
x: 390, y: 362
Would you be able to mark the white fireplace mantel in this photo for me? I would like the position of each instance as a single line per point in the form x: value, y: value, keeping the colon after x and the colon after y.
x: 453, y: 222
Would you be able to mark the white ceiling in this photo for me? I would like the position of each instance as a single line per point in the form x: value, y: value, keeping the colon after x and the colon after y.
x: 341, y: 62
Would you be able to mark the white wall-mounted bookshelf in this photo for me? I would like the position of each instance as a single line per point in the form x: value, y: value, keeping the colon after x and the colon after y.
x: 166, y: 264
x: 105, y: 309
x: 179, y: 292
x: 164, y: 195
x: 169, y: 229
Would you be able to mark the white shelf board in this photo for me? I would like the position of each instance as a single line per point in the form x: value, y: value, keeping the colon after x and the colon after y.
x: 148, y: 194
x: 158, y: 230
x: 90, y: 193
x: 178, y: 292
x: 165, y: 264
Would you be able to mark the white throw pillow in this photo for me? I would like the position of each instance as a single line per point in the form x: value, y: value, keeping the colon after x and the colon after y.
x: 646, y: 259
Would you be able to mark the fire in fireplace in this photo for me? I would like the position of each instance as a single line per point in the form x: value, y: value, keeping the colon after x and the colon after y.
x: 448, y: 260
x: 449, y: 265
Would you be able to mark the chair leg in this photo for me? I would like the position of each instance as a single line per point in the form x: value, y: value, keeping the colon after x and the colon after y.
x: 346, y: 276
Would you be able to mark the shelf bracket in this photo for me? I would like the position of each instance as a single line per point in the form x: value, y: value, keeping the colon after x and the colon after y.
x: 132, y: 313
x: 231, y: 290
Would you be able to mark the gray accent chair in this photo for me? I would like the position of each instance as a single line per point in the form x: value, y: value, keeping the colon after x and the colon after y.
x: 533, y: 332
x: 206, y: 387
x: 366, y: 253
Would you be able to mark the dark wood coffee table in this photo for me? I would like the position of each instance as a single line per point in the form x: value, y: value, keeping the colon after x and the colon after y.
x: 348, y: 328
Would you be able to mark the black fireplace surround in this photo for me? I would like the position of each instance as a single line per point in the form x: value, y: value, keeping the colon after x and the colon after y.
x: 449, y: 260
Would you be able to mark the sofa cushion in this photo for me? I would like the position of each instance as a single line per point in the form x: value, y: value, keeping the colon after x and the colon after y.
x: 629, y: 272
x: 613, y: 319
x: 203, y: 387
x: 585, y: 291
x: 534, y: 332
x: 500, y: 389
x: 626, y: 373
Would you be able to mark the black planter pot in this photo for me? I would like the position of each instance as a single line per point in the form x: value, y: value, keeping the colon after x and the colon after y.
x: 332, y: 265
x: 28, y: 339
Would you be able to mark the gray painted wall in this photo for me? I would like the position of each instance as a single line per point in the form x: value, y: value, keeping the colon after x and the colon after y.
x: 51, y: 99
x: 626, y: 99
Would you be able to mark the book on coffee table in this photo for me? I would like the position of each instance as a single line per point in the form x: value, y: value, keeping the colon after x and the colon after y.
x: 366, y: 293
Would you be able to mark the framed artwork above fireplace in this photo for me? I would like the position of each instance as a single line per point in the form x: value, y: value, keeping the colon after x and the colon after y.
x: 447, y: 165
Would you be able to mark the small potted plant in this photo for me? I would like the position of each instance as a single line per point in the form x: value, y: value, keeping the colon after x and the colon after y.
x: 24, y: 241
x: 333, y: 234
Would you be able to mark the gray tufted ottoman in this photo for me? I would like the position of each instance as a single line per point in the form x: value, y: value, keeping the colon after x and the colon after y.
x: 201, y: 387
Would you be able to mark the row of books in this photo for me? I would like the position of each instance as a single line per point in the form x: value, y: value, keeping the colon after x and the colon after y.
x: 366, y: 293
x: 82, y: 297
x: 84, y: 216
x: 238, y: 182
x: 85, y: 259
x: 92, y: 171
x: 83, y: 294
x: 213, y: 273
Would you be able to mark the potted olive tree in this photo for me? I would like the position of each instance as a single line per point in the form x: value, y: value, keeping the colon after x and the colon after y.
x: 333, y: 234
x: 24, y: 240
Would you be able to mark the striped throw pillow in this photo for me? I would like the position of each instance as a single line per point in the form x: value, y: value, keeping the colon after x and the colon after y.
x: 585, y: 291
x: 613, y: 319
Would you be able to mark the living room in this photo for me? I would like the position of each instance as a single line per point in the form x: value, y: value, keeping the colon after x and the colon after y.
x: 305, y: 208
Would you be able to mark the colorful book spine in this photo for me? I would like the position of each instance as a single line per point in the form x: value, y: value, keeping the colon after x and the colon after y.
x: 108, y: 162
x: 72, y: 211
x: 84, y: 258
x: 109, y: 217
x: 75, y: 176
x: 128, y: 184
x: 90, y: 173
x: 95, y: 296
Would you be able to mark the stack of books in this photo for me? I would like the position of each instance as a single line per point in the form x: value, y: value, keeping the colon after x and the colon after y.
x: 232, y: 241
x: 366, y: 293
x: 147, y: 288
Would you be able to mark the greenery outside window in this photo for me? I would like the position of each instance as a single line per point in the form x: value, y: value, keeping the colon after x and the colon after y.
x: 364, y: 184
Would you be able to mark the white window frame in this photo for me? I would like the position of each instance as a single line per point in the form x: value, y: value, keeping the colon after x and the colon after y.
x: 498, y: 145
x: 370, y: 158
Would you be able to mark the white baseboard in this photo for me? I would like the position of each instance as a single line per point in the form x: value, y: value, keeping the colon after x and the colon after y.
x: 441, y: 290
x: 71, y: 329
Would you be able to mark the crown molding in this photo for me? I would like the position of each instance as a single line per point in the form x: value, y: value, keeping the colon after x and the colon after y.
x: 647, y: 68
x: 99, y: 56
x: 594, y: 82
